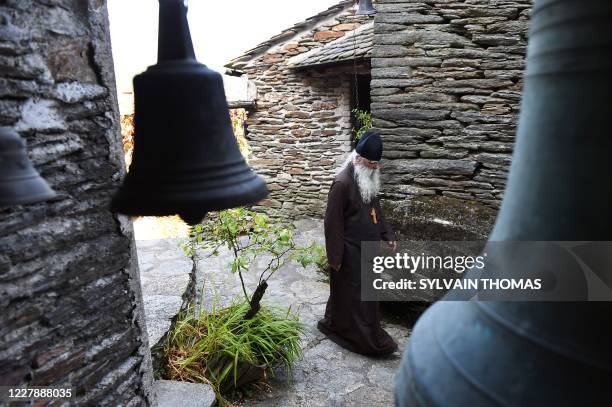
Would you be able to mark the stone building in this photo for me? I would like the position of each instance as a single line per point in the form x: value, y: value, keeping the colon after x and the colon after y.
x: 306, y: 80
x: 71, y: 307
x: 446, y: 89
x: 445, y: 79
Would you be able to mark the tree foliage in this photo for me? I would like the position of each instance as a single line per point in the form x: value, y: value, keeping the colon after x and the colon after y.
x: 250, y: 235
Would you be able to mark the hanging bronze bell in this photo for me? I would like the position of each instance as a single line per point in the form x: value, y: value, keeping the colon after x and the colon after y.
x: 537, y: 354
x: 20, y: 183
x: 186, y: 159
x: 365, y: 8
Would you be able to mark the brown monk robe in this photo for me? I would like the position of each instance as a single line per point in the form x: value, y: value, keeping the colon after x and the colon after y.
x: 350, y: 322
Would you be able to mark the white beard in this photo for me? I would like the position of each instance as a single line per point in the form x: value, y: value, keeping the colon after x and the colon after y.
x: 368, y: 180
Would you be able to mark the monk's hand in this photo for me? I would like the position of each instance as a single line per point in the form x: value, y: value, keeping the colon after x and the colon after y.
x: 392, y: 245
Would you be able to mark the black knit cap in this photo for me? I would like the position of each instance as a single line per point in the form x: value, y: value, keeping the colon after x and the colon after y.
x: 370, y: 146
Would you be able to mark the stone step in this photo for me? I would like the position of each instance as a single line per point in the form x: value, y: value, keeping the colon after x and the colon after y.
x: 182, y: 394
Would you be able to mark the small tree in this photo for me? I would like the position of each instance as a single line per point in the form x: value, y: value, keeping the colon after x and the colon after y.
x: 242, y: 343
x: 250, y: 235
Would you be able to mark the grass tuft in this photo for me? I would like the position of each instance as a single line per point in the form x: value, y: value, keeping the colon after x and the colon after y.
x: 223, y: 349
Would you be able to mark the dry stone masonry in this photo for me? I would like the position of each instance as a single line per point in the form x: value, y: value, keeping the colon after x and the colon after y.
x: 301, y: 127
x: 446, y: 88
x: 69, y: 287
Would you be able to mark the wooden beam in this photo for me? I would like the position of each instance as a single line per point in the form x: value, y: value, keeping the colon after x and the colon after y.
x: 243, y: 104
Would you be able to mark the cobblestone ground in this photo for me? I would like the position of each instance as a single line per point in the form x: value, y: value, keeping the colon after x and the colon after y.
x: 164, y: 275
x: 328, y: 375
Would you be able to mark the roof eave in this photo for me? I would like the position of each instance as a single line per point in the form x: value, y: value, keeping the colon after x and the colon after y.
x: 234, y: 72
x: 310, y: 22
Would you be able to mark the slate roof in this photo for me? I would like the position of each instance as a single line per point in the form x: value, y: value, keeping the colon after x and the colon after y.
x: 355, y: 45
x: 240, y: 62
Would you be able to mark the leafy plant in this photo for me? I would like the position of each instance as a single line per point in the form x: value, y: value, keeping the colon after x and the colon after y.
x: 249, y: 235
x: 224, y: 349
x: 364, y: 123
x: 320, y: 258
x: 242, y: 343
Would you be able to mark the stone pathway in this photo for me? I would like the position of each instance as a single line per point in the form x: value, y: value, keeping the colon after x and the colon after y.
x: 328, y: 375
x: 182, y: 394
x: 164, y: 275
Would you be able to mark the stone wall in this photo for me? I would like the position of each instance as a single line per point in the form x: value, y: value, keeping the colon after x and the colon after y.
x: 301, y: 128
x: 446, y: 87
x: 69, y: 286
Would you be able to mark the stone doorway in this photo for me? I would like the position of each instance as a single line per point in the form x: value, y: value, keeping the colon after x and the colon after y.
x: 360, y: 99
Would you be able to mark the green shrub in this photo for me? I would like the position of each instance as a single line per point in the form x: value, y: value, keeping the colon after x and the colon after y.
x: 320, y: 260
x: 248, y: 235
x: 364, y: 123
x: 240, y: 345
x: 224, y: 349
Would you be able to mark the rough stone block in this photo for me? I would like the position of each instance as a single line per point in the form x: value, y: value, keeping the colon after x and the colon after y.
x: 464, y: 219
x: 493, y: 40
x: 68, y: 60
x: 327, y: 35
x: 345, y: 27
x: 432, y: 166
x: 183, y: 394
x: 404, y: 114
x: 408, y: 18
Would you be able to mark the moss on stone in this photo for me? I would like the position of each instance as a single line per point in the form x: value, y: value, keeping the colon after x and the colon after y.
x: 440, y: 218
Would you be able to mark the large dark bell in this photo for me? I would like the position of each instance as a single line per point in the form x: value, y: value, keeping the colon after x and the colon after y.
x: 186, y: 159
x: 366, y: 7
x: 537, y: 354
x: 20, y: 183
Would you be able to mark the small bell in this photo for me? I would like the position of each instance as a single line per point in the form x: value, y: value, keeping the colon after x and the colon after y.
x: 20, y: 183
x: 366, y: 8
x: 186, y: 159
